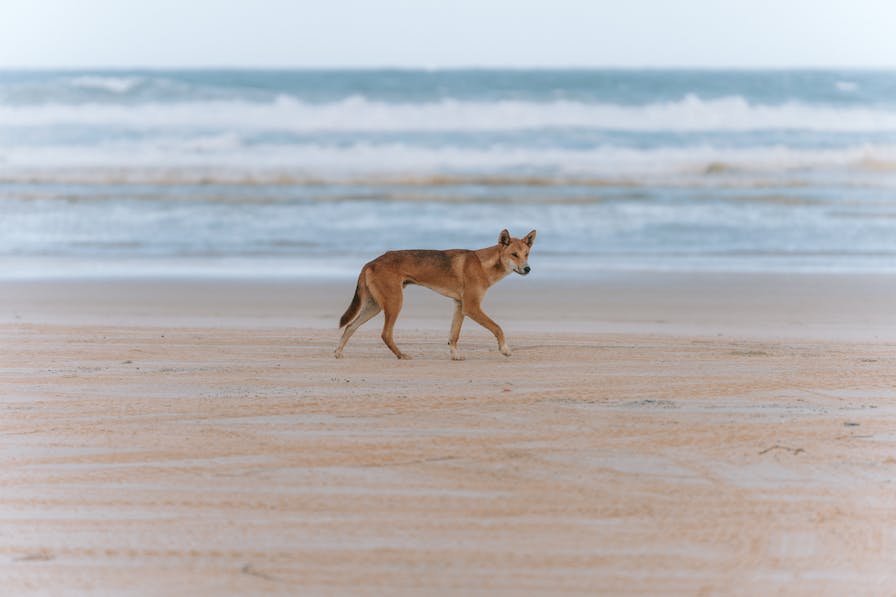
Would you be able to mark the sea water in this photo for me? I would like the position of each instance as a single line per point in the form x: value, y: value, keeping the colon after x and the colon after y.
x: 312, y: 172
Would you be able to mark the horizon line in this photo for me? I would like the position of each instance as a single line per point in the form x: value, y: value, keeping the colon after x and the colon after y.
x: 426, y: 68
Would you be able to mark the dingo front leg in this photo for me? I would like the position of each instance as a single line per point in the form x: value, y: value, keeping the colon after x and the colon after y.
x: 455, y: 330
x: 476, y: 314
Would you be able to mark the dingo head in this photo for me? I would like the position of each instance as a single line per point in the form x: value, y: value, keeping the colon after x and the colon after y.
x: 515, y: 251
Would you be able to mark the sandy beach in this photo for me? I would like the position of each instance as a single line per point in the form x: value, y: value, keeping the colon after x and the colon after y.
x: 651, y: 434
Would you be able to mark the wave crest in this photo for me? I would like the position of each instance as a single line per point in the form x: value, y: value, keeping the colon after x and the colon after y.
x: 357, y: 113
x: 223, y: 159
x: 110, y: 84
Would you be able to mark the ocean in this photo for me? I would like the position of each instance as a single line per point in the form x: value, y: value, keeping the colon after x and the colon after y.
x: 310, y: 173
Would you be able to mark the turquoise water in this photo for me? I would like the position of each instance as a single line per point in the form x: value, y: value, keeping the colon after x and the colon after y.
x: 304, y: 173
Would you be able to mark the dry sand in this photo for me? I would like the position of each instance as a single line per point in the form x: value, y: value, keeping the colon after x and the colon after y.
x: 653, y: 434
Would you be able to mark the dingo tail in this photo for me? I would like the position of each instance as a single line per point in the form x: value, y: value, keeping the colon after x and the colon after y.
x: 354, y: 307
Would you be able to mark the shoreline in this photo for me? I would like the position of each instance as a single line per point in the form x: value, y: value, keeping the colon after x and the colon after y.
x: 811, y: 306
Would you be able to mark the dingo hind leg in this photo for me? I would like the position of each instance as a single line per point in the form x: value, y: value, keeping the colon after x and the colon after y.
x: 368, y: 312
x: 388, y: 293
x: 361, y: 310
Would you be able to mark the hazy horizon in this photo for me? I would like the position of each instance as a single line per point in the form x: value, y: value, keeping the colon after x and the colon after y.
x: 384, y: 68
x: 346, y: 34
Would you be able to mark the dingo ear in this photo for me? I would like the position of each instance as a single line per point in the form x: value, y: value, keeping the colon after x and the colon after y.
x: 529, y: 238
x: 504, y: 238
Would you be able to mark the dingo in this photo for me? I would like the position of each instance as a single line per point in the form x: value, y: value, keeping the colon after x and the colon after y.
x: 460, y: 274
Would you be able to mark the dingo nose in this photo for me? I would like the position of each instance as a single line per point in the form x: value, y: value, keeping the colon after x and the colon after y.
x: 527, y: 269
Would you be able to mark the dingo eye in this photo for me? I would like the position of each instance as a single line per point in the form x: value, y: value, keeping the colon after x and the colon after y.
x: 514, y: 255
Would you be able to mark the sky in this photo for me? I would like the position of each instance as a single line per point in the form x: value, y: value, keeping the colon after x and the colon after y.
x: 454, y: 33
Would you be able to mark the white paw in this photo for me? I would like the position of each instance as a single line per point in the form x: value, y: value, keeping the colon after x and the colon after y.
x: 505, y: 351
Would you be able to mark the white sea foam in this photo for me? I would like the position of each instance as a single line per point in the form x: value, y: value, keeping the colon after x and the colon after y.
x: 110, y: 84
x: 359, y: 114
x: 222, y: 157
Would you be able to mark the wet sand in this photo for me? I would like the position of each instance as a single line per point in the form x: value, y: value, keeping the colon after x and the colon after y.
x: 651, y: 434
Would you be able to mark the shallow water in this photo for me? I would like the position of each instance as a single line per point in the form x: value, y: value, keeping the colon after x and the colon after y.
x: 304, y: 173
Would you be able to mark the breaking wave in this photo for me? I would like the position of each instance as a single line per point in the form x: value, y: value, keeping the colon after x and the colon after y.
x: 106, y: 83
x: 357, y: 113
x: 222, y: 158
